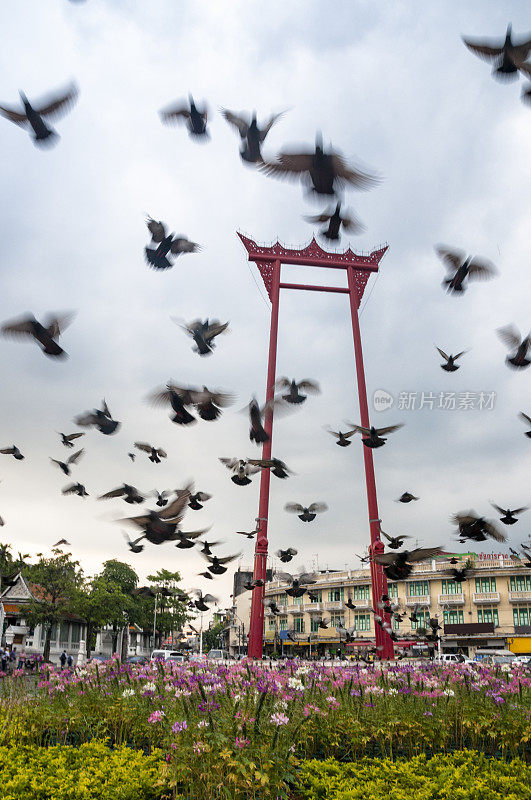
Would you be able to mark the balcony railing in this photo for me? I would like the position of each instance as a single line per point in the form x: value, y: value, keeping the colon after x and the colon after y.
x: 518, y: 597
x: 365, y: 603
x: 333, y: 605
x: 486, y: 597
x: 313, y: 608
x: 451, y: 599
x: 420, y: 599
x: 293, y: 608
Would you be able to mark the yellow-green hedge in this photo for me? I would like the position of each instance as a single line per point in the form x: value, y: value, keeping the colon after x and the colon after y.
x: 464, y: 775
x: 78, y: 773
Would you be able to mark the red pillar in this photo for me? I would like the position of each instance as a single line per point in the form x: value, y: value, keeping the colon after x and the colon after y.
x: 256, y: 625
x: 378, y: 578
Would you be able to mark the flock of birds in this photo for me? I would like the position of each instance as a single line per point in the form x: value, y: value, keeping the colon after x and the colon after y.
x: 325, y: 173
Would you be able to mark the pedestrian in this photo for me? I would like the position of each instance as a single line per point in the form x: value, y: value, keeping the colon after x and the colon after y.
x: 70, y: 661
x: 4, y: 655
x: 62, y: 659
x: 13, y: 655
x: 21, y: 659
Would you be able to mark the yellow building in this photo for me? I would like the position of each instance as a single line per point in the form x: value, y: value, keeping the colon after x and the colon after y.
x: 490, y: 609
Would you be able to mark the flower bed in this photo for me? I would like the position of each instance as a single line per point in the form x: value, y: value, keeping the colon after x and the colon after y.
x: 242, y: 731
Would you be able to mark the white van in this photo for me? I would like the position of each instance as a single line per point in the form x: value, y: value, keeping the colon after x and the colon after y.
x: 167, y: 655
x: 454, y: 658
x: 218, y: 655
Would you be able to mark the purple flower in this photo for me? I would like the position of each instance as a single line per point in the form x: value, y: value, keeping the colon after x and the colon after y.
x: 177, y: 727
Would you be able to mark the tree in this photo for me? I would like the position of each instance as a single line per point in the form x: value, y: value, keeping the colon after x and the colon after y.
x: 211, y: 636
x: 171, y: 613
x: 119, y: 580
x: 9, y: 566
x: 100, y: 603
x: 56, y: 581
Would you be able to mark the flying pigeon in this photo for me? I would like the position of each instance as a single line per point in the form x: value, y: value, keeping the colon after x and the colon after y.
x: 100, y: 419
x: 51, y: 108
x: 335, y: 221
x: 463, y: 267
x: 157, y: 257
x: 251, y: 135
x: 306, y: 514
x: 194, y: 118
x: 45, y: 334
x: 324, y: 172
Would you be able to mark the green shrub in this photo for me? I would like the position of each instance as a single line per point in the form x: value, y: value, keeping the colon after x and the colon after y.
x: 79, y: 773
x: 464, y: 775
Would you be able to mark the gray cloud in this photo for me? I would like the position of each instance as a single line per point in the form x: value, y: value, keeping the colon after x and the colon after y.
x: 392, y: 87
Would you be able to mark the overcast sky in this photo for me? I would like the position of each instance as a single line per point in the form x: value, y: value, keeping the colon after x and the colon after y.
x: 392, y: 86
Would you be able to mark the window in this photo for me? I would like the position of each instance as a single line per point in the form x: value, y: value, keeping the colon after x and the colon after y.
x: 283, y: 624
x: 422, y: 621
x: 360, y: 592
x: 396, y: 624
x: 272, y: 624
x: 488, y: 614
x: 392, y: 589
x: 417, y: 588
x: 362, y: 622
x: 314, y: 625
x: 76, y: 633
x: 337, y: 619
x: 298, y: 601
x: 64, y: 632
x: 336, y: 595
x: 453, y: 617
x: 485, y: 584
x: 521, y: 615
x: 451, y: 587
x: 521, y: 583
x: 281, y: 599
x: 298, y: 625
x: 318, y: 596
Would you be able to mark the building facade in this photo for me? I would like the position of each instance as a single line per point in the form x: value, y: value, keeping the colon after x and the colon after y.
x: 69, y: 635
x: 490, y: 609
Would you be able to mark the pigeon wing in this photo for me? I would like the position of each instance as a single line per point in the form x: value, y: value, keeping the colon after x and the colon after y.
x: 509, y: 335
x: 288, y: 164
x: 487, y: 52
x: 238, y: 122
x: 59, y: 106
x: 352, y: 175
x: 174, y: 114
x: 13, y: 116
x: 451, y: 258
x: 56, y: 324
x: 269, y: 124
x: 156, y: 229
x: 75, y: 457
x: 317, y: 508
x: 143, y: 446
x: 294, y: 508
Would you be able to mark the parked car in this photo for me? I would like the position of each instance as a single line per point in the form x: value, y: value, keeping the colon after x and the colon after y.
x: 136, y: 660
x: 521, y: 660
x: 167, y: 655
x: 197, y: 657
x: 454, y: 658
x: 218, y: 655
